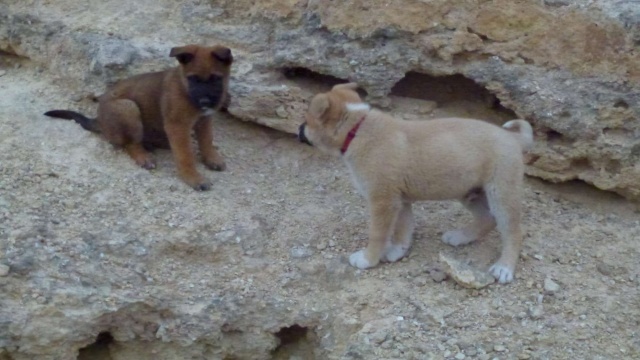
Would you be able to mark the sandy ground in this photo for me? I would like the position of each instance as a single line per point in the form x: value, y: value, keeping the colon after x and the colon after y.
x: 278, y: 227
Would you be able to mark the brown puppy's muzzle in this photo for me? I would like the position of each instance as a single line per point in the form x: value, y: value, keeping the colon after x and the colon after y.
x: 206, y: 93
x: 301, y: 136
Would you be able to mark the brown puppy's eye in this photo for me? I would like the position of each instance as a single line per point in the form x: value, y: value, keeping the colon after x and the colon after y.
x: 223, y: 55
x: 184, y: 58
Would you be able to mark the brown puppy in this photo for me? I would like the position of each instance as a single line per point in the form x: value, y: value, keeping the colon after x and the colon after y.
x: 160, y: 109
x: 394, y: 163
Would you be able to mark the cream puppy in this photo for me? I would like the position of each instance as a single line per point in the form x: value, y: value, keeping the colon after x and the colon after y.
x: 395, y: 162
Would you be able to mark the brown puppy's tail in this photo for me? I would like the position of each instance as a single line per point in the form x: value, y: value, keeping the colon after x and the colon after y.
x: 85, y: 122
x: 522, y: 129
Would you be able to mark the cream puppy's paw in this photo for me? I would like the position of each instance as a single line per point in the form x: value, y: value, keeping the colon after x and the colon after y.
x: 455, y: 238
x: 359, y: 260
x: 394, y: 252
x: 503, y: 273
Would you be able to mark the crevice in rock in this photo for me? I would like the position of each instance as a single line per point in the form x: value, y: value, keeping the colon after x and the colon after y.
x: 621, y: 104
x: 455, y: 92
x: 553, y: 136
x: 313, y: 81
x: 99, y: 350
x: 8, y: 58
x: 295, y: 340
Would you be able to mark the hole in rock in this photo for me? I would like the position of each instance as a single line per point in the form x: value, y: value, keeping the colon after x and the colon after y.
x: 295, y: 341
x: 312, y: 81
x: 99, y: 350
x: 553, y: 136
x: 8, y: 58
x: 621, y: 104
x: 454, y: 95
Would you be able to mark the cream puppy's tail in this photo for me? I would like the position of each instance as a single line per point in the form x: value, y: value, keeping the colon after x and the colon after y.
x: 523, y: 131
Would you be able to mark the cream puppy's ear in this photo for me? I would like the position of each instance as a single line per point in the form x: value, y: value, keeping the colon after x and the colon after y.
x: 350, y: 86
x: 319, y: 105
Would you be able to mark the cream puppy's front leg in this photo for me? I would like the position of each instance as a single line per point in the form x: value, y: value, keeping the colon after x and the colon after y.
x: 399, y: 245
x: 384, y: 213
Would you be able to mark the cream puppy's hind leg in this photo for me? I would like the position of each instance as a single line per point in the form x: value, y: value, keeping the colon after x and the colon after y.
x: 483, y: 221
x: 400, y: 243
x: 504, y: 202
x: 384, y: 213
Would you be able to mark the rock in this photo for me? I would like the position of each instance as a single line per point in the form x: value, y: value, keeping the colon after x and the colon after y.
x: 610, y: 270
x: 465, y: 275
x: 281, y: 112
x: 4, y: 270
x: 321, y: 245
x: 437, y: 275
x: 380, y: 336
x: 300, y: 252
x: 536, y: 312
x: 550, y: 286
x: 524, y: 356
x: 460, y: 356
x: 604, y: 269
x: 3, y: 72
x: 499, y: 348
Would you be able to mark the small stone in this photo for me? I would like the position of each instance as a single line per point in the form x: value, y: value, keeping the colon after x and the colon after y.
x: 460, y: 356
x: 465, y: 275
x: 550, y: 286
x: 300, y: 252
x: 41, y: 300
x: 4, y: 270
x: 524, y: 356
x: 447, y: 353
x: 438, y: 275
x: 471, y: 351
x: 3, y: 72
x: 282, y: 112
x: 321, y: 246
x: 536, y: 312
x: 604, y: 269
x: 499, y: 348
x: 379, y: 336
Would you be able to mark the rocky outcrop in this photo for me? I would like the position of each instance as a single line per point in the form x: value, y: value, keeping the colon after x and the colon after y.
x: 571, y: 69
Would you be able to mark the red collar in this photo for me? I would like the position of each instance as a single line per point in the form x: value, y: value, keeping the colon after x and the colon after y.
x: 351, y: 135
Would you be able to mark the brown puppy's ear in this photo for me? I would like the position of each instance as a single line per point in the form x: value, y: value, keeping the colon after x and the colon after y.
x: 350, y: 86
x: 223, y: 54
x: 319, y: 105
x: 184, y: 54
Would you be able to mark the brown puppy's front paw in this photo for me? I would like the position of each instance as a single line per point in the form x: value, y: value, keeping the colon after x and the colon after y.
x: 198, y: 183
x: 146, y: 163
x: 216, y: 165
x: 205, y: 186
